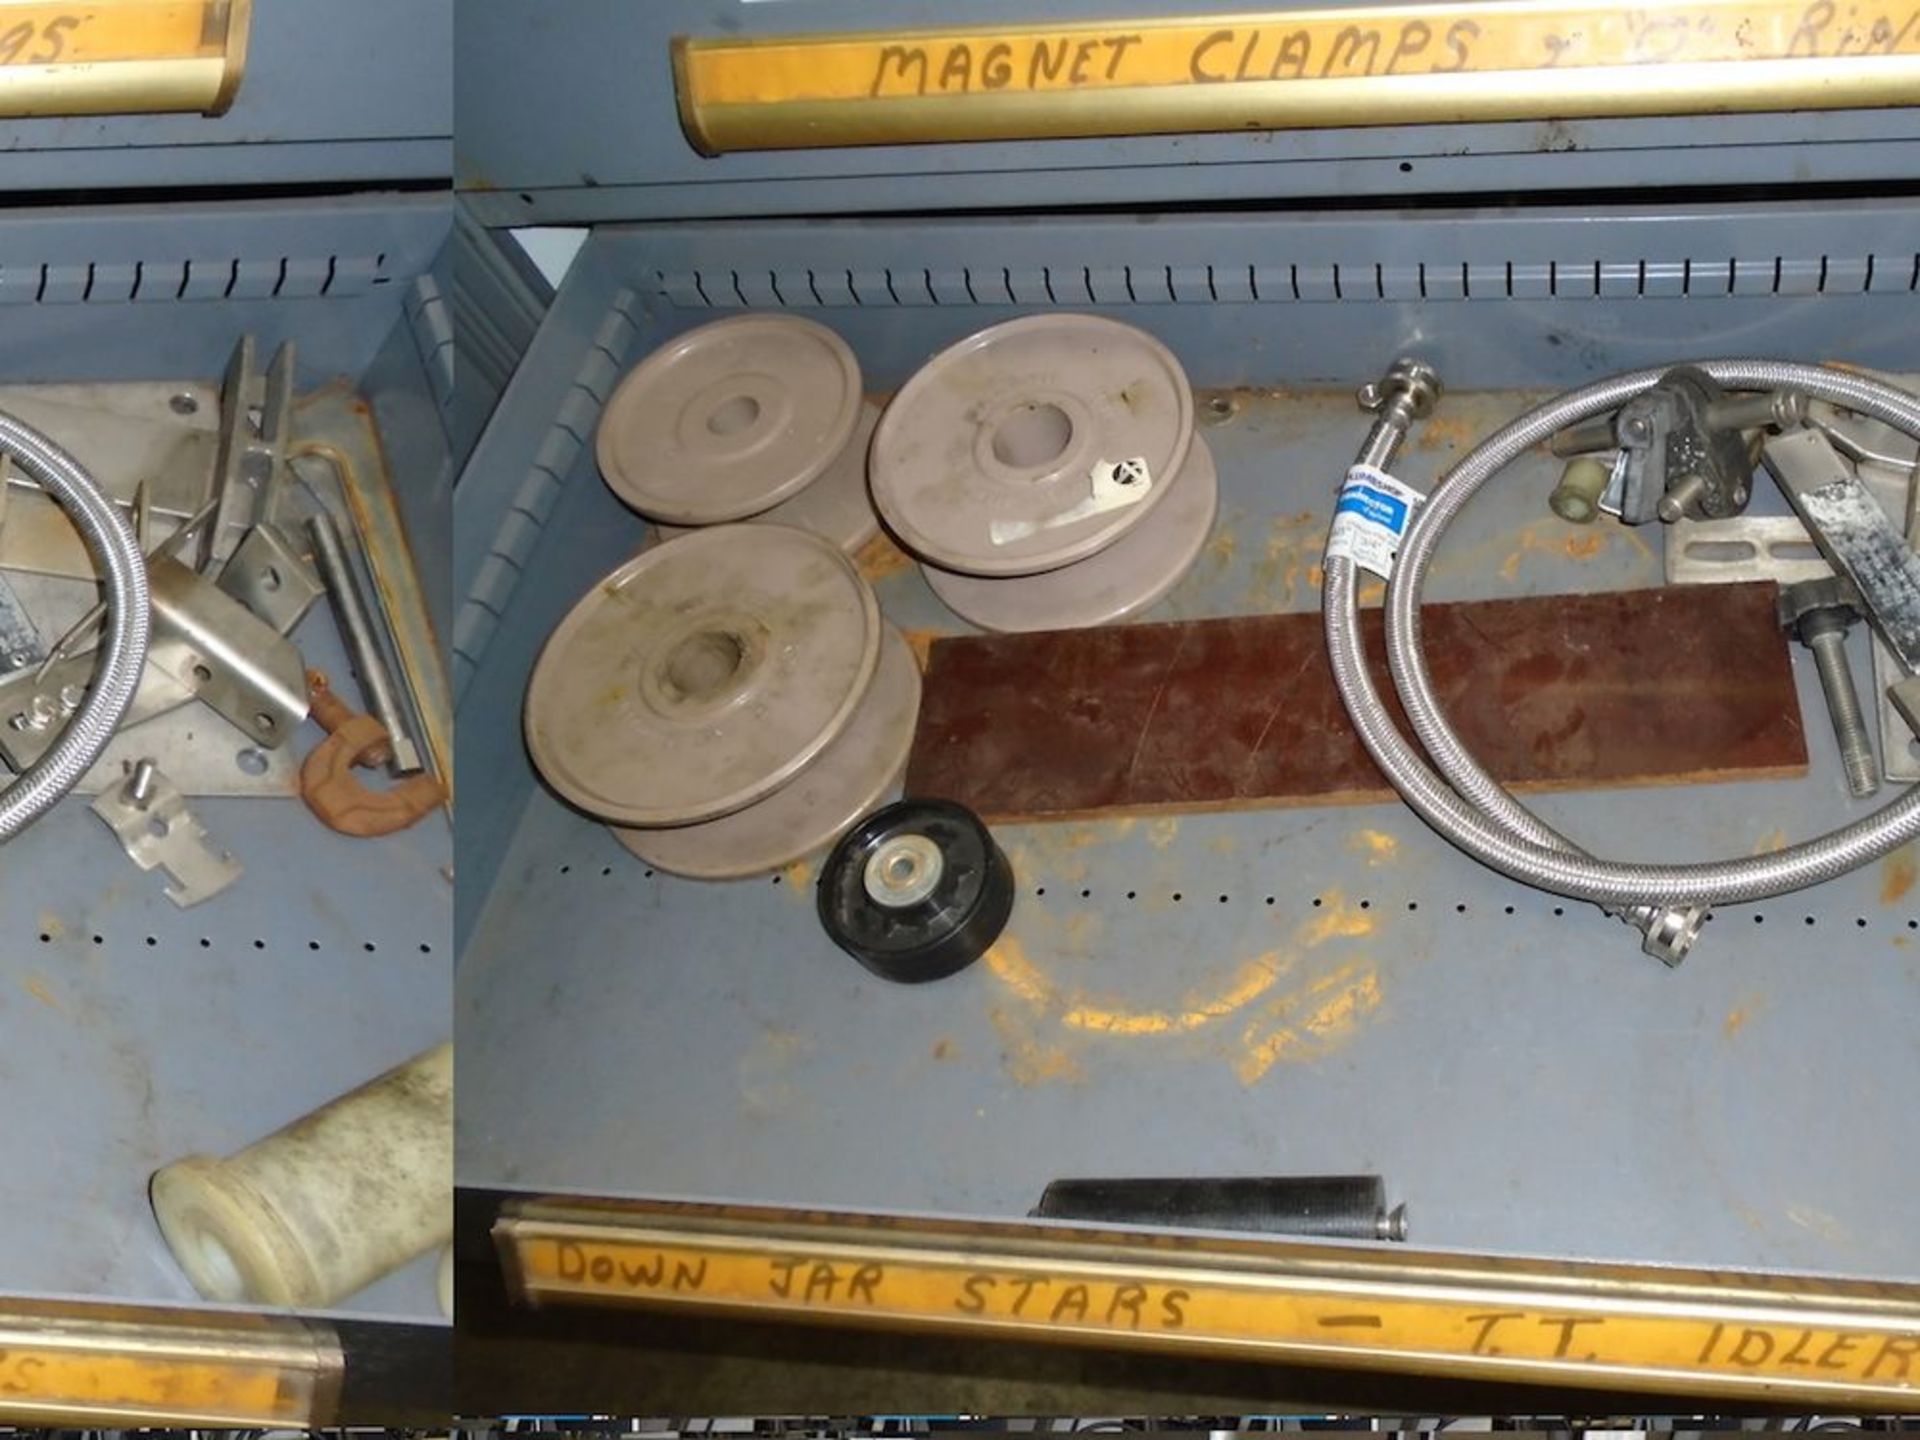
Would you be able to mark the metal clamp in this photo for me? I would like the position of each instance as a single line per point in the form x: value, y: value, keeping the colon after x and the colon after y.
x: 154, y: 826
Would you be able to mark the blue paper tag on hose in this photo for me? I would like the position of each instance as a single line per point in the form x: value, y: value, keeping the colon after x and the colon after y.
x: 1370, y: 517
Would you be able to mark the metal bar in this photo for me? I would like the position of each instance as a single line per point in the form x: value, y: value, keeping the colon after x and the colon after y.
x: 362, y: 642
x: 1640, y: 1328
x: 1853, y: 532
x: 92, y: 1363
x: 1317, y: 66
x: 336, y: 427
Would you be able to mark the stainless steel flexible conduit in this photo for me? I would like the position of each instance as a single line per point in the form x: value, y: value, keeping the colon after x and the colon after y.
x: 123, y: 649
x: 1466, y: 804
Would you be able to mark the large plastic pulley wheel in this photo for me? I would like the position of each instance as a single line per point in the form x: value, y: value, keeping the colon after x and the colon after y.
x: 986, y: 459
x: 728, y: 420
x: 836, y: 506
x: 804, y: 816
x: 917, y: 891
x: 702, y: 675
x: 1134, y: 573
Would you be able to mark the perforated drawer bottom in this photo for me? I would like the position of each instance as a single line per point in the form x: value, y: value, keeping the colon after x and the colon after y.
x: 1283, y: 991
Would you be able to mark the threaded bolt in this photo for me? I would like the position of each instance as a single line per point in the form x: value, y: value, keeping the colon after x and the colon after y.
x: 1829, y: 648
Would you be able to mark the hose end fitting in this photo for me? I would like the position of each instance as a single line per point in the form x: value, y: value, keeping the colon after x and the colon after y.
x: 1670, y: 930
x: 1410, y: 385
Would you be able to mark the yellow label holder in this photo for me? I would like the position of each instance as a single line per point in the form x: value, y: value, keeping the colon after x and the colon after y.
x: 85, y: 1363
x: 1275, y: 70
x: 113, y: 57
x: 1638, y: 1328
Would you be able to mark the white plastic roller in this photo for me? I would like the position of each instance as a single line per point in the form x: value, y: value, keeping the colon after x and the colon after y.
x: 325, y: 1206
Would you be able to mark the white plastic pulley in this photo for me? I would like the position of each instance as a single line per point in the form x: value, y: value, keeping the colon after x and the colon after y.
x: 837, y: 506
x: 728, y: 420
x: 702, y: 675
x: 1032, y: 444
x: 1135, y: 572
x: 326, y: 1206
x: 852, y: 776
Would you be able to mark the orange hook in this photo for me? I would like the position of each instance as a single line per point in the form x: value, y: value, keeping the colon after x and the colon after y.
x: 335, y: 794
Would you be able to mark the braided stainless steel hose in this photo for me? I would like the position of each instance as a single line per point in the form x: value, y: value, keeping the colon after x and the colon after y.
x: 123, y: 648
x: 1466, y: 804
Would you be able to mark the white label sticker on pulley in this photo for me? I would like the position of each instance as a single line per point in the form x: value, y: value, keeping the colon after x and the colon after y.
x: 1113, y: 485
x: 1373, y: 512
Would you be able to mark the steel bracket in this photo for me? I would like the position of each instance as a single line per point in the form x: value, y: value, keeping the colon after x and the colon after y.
x: 150, y: 818
x: 222, y: 652
x: 268, y: 575
x: 250, y: 463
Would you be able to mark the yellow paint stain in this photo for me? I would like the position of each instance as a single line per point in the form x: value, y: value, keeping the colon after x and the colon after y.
x: 880, y: 557
x: 1082, y: 929
x: 1316, y: 575
x: 1223, y: 845
x: 1897, y: 874
x: 1027, y: 1059
x: 1010, y: 966
x: 1441, y: 431
x: 1379, y: 847
x: 1250, y: 982
x: 1768, y: 843
x: 1221, y: 547
x: 1819, y: 1222
x: 1740, y: 1014
x: 921, y: 643
x: 1371, y: 593
x: 1291, y: 550
x: 1336, y: 919
x: 1081, y: 837
x: 1162, y: 833
x: 1649, y: 562
x: 36, y: 986
x: 1309, y: 1023
x: 1338, y: 1014
x: 1552, y: 539
x: 763, y: 1071
x: 51, y: 925
x: 1302, y: 1022
x: 798, y: 877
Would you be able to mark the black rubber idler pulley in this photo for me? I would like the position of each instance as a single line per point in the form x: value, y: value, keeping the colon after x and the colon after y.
x: 916, y: 891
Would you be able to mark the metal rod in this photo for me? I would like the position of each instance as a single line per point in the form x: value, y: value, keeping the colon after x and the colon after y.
x: 357, y: 626
x: 1585, y: 438
x: 1843, y: 707
x: 1339, y: 1207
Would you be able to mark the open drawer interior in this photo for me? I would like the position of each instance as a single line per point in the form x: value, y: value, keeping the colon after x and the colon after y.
x: 1525, y: 1078
x: 158, y: 1031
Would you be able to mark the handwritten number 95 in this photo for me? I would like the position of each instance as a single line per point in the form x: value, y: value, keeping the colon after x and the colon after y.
x: 15, y: 40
